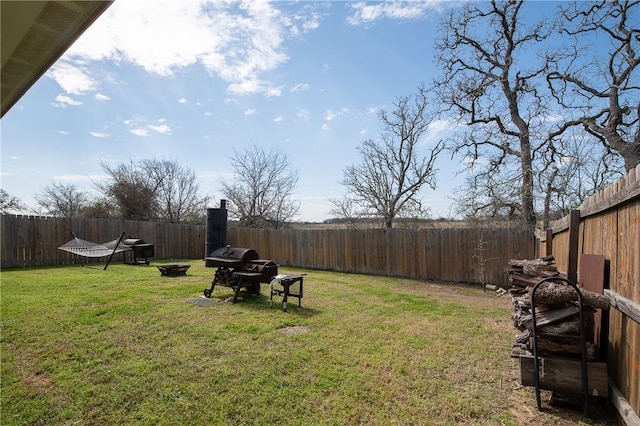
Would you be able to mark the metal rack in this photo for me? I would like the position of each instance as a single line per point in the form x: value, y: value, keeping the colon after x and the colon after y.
x: 583, y: 333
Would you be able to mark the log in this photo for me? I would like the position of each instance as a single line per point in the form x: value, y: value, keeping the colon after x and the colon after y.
x: 523, y: 337
x: 547, y: 317
x: 540, y: 270
x: 570, y: 347
x: 569, y: 327
x: 552, y: 294
x: 549, y: 260
x: 523, y: 280
x: 521, y: 302
x: 559, y: 374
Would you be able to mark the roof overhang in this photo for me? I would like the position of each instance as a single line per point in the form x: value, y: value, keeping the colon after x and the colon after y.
x: 34, y: 35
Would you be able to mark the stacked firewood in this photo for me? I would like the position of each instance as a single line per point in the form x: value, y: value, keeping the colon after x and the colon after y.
x: 557, y: 312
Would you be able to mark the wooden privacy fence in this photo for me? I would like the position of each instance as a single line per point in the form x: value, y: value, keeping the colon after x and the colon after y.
x: 34, y: 240
x: 608, y: 224
x: 472, y: 255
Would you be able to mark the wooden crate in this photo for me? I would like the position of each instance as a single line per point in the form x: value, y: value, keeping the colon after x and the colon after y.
x: 563, y: 374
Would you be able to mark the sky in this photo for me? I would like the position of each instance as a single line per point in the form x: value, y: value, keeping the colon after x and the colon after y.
x: 192, y: 81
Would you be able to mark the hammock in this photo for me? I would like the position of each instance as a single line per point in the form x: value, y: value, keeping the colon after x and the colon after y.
x: 86, y: 248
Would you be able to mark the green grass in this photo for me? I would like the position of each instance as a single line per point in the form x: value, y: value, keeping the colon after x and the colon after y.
x: 128, y: 346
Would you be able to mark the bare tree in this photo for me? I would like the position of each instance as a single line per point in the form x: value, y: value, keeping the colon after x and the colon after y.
x: 62, y: 200
x: 493, y: 90
x: 101, y: 206
x: 9, y: 203
x: 176, y: 189
x: 580, y: 171
x: 150, y: 189
x: 132, y: 190
x: 387, y: 181
x: 489, y: 196
x: 261, y: 189
x: 603, y: 95
x: 347, y: 209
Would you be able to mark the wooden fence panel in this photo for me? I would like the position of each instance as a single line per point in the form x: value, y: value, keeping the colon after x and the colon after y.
x: 610, y: 226
x: 436, y: 254
x: 34, y: 240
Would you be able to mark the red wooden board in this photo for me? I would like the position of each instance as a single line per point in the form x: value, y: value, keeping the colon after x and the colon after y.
x: 592, y: 279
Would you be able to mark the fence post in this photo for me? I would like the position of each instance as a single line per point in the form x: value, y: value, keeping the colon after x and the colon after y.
x: 574, y: 238
x: 549, y: 242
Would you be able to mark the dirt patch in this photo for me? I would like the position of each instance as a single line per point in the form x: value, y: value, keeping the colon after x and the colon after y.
x: 203, y: 302
x: 295, y: 329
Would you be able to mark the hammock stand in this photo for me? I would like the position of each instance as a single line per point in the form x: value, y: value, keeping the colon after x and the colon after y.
x: 87, y: 249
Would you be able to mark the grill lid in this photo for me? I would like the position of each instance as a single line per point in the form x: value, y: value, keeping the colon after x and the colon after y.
x: 133, y: 241
x: 232, y: 257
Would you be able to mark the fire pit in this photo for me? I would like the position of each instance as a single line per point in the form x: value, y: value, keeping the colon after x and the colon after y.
x: 239, y: 268
x: 173, y: 270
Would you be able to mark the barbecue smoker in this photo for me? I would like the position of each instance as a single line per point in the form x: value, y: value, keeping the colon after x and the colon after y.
x: 239, y: 267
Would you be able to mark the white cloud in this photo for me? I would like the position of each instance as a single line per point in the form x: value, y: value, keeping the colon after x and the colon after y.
x: 251, y: 111
x: 63, y: 132
x: 364, y: 12
x: 99, y: 134
x: 85, y: 179
x: 278, y: 119
x: 311, y: 23
x: 331, y: 115
x: 101, y: 97
x: 142, y: 129
x: 439, y: 129
x: 272, y: 92
x: 160, y: 128
x: 245, y: 87
x: 139, y: 131
x: 301, y: 87
x: 63, y: 101
x: 303, y: 113
x: 182, y: 100
x: 73, y: 79
x: 238, y: 41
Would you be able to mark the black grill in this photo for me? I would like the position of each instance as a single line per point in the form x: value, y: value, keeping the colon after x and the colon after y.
x: 239, y: 268
x: 140, y: 251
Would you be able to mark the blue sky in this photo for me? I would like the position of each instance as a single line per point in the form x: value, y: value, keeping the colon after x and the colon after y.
x: 193, y: 80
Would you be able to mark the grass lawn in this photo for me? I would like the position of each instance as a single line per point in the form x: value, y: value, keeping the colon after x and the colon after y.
x: 129, y: 346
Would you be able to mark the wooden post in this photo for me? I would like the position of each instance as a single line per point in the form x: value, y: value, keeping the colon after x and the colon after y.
x: 549, y: 242
x: 574, y: 236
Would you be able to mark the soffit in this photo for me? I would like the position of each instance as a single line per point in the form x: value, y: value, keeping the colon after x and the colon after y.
x: 34, y: 35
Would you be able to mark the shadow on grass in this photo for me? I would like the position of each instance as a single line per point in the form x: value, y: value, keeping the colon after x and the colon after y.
x: 252, y: 302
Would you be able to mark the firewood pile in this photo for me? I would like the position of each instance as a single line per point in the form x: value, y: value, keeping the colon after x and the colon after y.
x: 557, y: 312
